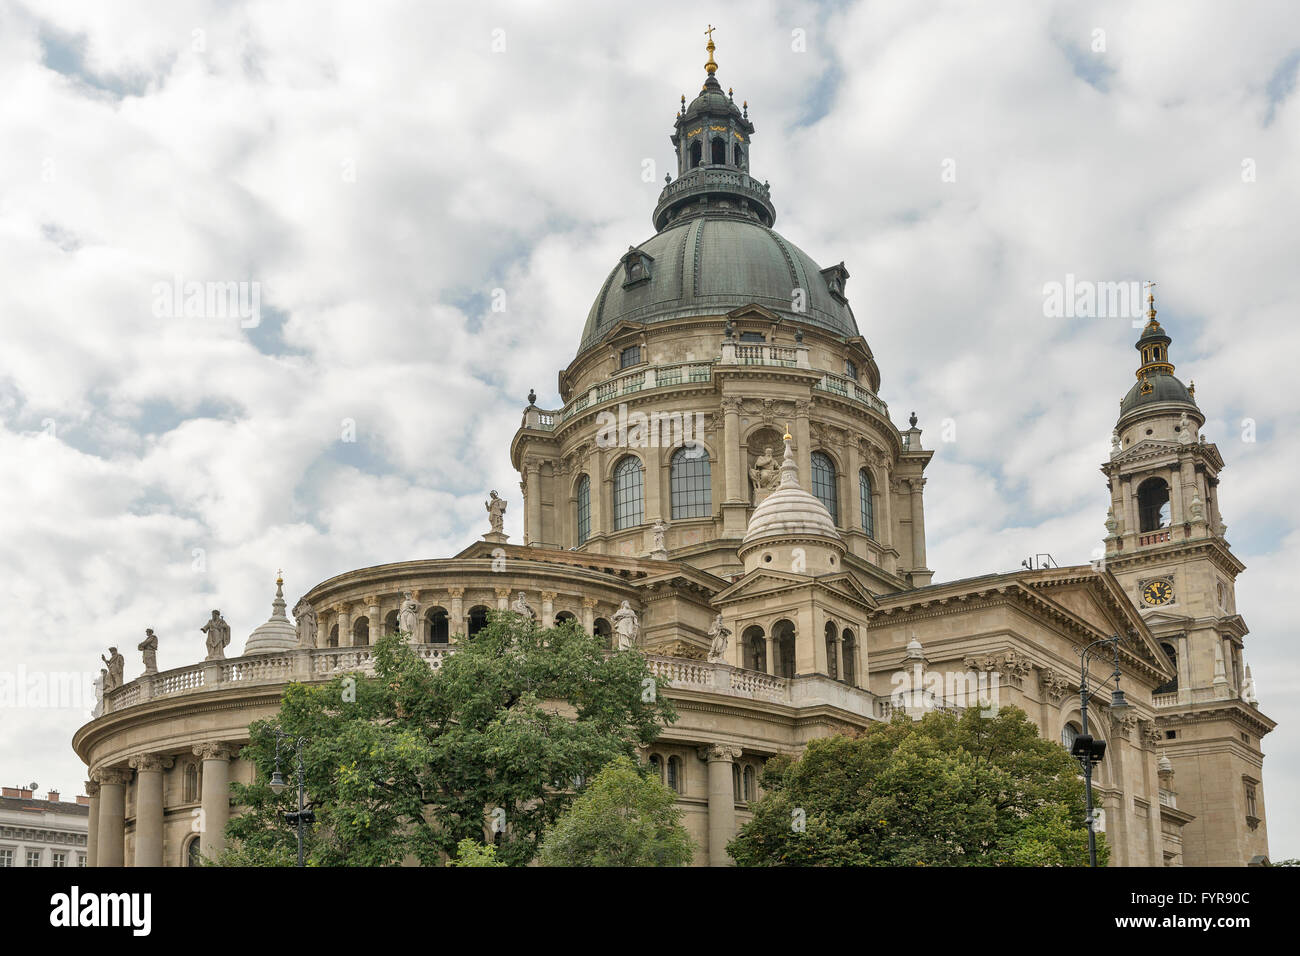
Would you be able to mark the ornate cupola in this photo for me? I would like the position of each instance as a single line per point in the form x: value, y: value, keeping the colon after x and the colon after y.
x: 278, y: 633
x: 1157, y: 391
x: 790, y: 529
x: 712, y: 138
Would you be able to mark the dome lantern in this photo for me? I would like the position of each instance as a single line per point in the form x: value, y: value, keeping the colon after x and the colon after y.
x: 278, y: 633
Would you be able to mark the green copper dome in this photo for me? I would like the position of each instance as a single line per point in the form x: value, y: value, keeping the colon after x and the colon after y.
x: 715, y: 250
x: 1156, y: 384
x: 707, y: 265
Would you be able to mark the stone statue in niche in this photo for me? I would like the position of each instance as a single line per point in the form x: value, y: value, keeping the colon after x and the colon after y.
x: 218, y: 637
x: 765, y: 471
x: 626, y: 627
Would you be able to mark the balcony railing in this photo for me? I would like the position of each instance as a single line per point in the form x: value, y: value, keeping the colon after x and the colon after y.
x: 847, y: 388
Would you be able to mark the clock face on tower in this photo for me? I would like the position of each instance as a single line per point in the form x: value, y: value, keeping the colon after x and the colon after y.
x: 1156, y: 593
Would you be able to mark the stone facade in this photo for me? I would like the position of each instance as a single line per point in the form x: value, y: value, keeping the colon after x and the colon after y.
x: 714, y: 349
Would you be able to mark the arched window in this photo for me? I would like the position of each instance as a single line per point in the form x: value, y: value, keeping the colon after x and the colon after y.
x: 436, y: 625
x: 334, y: 636
x: 832, y: 665
x: 849, y: 643
x: 190, y: 784
x: 584, y: 509
x: 690, y: 485
x: 783, y: 638
x: 477, y: 619
x: 755, y: 645
x: 604, y: 631
x: 750, y: 787
x: 850, y: 369
x: 675, y: 781
x: 629, y: 482
x: 657, y: 767
x: 1069, y: 734
x: 564, y: 616
x: 192, y: 852
x: 735, y: 782
x: 1169, y: 687
x: 865, y: 503
x: 361, y: 632
x: 719, y: 151
x: 697, y: 153
x: 391, y: 623
x: 740, y: 156
x: 1153, y: 504
x: 823, y: 484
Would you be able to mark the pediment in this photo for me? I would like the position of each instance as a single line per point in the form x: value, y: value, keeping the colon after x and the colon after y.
x: 1146, y: 447
x: 763, y: 582
x: 754, y: 311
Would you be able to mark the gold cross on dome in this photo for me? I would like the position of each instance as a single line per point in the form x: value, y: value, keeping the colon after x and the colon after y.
x: 709, y: 32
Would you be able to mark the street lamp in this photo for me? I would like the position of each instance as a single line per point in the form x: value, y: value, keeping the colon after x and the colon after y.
x: 278, y: 785
x: 1088, y: 751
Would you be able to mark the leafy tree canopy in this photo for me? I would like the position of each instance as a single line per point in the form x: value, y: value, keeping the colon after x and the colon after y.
x: 942, y: 791
x: 405, y: 765
x: 624, y: 818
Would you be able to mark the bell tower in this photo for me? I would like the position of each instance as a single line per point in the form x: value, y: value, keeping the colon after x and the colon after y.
x: 1166, y: 544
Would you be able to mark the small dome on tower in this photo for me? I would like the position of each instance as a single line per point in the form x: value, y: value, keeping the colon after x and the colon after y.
x: 789, y: 512
x: 278, y: 633
x: 1156, y: 383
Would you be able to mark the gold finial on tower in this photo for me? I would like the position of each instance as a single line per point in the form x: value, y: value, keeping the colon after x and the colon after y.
x: 710, y: 67
x: 787, y: 436
x: 279, y: 576
x: 1151, y: 304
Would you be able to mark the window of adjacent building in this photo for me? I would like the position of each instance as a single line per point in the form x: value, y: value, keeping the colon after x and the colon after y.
x: 629, y: 483
x: 823, y: 484
x: 865, y: 504
x: 33, y: 857
x: 675, y: 781
x: 629, y: 356
x: 81, y: 859
x: 690, y: 484
x: 58, y: 859
x: 1169, y: 687
x: 6, y: 856
x: 584, y: 509
x: 1153, y: 504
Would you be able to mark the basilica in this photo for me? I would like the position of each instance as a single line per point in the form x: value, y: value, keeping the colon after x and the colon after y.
x: 723, y: 489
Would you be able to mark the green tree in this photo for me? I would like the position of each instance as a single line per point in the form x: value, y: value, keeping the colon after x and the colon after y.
x: 404, y: 765
x: 472, y: 853
x: 623, y: 818
x: 942, y: 791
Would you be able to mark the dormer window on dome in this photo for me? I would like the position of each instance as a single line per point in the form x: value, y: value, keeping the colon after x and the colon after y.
x: 636, y: 267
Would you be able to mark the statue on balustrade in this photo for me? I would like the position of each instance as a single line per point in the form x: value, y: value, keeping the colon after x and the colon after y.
x: 149, y: 649
x: 408, y: 618
x: 718, y: 649
x: 496, y: 509
x: 116, y: 664
x: 305, y: 617
x: 626, y: 627
x: 766, y: 472
x: 218, y: 632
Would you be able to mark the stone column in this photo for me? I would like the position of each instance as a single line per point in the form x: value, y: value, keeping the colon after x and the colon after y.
x: 1173, y: 479
x: 918, y: 522
x: 548, y: 608
x: 653, y: 464
x: 731, y: 449
x: 149, y: 808
x: 589, y: 615
x: 92, y: 831
x: 456, y: 622
x: 112, y: 816
x: 839, y: 658
x: 1132, y: 527
x: 803, y: 439
x: 722, y: 801
x: 853, y: 465
x: 215, y: 797
x: 771, y: 653
x: 533, y: 507
x: 344, y: 613
x: 375, y: 622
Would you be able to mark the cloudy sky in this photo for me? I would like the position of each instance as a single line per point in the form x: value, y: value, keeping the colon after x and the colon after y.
x: 380, y: 169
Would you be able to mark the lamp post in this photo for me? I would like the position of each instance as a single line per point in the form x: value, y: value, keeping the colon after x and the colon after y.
x: 278, y: 785
x: 1088, y: 751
